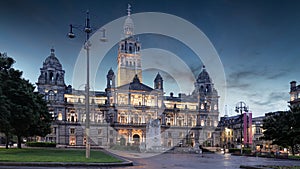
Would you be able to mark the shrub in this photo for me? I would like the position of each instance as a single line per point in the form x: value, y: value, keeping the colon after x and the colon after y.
x: 234, y: 150
x: 40, y: 144
x: 237, y: 150
x: 247, y: 151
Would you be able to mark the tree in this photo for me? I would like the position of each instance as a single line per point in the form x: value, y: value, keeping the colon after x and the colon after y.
x: 24, y: 111
x: 282, y: 128
x: 5, y: 104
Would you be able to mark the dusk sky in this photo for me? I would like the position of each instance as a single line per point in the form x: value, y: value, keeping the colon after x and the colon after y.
x: 258, y: 42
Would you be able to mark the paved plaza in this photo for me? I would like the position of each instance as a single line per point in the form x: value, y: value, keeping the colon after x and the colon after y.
x: 208, y: 161
x: 183, y: 161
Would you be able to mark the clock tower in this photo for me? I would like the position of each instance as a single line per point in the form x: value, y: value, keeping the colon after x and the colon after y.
x: 129, y: 56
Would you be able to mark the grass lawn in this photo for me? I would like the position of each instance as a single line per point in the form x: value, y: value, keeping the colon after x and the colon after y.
x: 53, y: 155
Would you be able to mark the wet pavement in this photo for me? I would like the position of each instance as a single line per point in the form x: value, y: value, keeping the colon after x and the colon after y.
x: 183, y: 161
x: 208, y: 161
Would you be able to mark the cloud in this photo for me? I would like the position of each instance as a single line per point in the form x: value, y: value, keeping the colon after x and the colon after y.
x: 277, y: 75
x: 243, y: 79
x: 270, y: 100
x: 240, y: 79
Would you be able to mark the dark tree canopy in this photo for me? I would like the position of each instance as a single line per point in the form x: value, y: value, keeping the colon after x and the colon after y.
x: 23, y: 112
x: 282, y: 128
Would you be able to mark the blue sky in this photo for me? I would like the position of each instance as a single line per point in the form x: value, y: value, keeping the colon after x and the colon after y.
x: 257, y: 41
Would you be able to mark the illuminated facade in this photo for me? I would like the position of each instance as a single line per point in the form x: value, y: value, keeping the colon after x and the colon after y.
x: 229, y: 129
x: 294, y: 94
x: 119, y: 115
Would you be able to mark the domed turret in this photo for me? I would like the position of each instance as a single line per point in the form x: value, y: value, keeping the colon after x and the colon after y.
x: 158, y: 82
x: 203, y: 77
x: 52, y: 61
x: 110, y: 78
x: 51, y: 82
x: 136, y: 79
x: 204, y: 83
x: 51, y: 72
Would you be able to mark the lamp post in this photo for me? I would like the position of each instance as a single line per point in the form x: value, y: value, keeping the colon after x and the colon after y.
x: 87, y: 30
x: 240, y: 107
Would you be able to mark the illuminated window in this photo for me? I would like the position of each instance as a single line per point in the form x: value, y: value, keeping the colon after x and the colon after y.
x: 123, y: 118
x: 202, y: 106
x: 52, y: 113
x: 215, y: 123
x: 180, y: 121
x: 59, y: 116
x: 202, y: 122
x: 72, y: 117
x: 51, y: 95
x: 209, y: 135
x: 72, y: 140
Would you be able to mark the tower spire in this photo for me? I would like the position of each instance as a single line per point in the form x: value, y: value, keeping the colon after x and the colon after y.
x: 128, y: 24
x: 52, y: 50
x: 129, y: 10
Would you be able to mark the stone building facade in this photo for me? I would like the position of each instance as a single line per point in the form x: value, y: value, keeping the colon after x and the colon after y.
x: 120, y: 114
x: 294, y: 94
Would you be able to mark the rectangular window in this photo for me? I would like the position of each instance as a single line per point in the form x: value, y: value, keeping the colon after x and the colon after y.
x: 169, y: 134
x: 54, y: 130
x: 180, y: 135
x: 111, y: 132
x: 99, y: 131
x: 72, y: 130
x: 100, y: 141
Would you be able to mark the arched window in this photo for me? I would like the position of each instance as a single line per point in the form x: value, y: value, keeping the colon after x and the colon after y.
x: 51, y: 95
x: 72, y: 117
x: 123, y: 119
x: 57, y: 76
x: 180, y: 121
x: 59, y: 116
x: 136, y: 118
x: 202, y: 122
x: 208, y: 122
x: 130, y: 49
x: 46, y: 77
x: 148, y: 118
x: 51, y: 77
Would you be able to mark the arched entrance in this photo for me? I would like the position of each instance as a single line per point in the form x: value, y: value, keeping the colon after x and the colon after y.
x: 136, y: 139
x: 122, y: 141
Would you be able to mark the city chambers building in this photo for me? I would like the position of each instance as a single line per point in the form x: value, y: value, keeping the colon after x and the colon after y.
x: 128, y: 112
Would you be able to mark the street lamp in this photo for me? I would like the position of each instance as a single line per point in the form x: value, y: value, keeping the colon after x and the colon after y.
x: 240, y: 107
x: 87, y: 30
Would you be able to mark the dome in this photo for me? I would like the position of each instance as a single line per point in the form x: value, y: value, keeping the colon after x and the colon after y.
x: 110, y: 72
x: 52, y: 61
x: 136, y: 79
x: 203, y: 77
x: 158, y: 77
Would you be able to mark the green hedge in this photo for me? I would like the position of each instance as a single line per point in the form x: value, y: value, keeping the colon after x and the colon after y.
x: 40, y: 144
x: 237, y: 150
x: 234, y: 150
